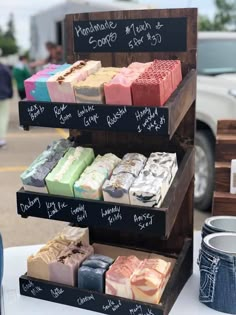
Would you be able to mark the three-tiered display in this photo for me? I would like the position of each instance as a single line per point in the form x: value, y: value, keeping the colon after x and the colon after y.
x: 118, y: 39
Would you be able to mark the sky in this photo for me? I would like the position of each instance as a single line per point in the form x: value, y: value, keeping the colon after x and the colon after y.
x: 23, y: 9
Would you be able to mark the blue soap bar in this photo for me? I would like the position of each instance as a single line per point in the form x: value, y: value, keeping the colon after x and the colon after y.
x: 102, y: 258
x: 91, y: 279
x: 94, y: 263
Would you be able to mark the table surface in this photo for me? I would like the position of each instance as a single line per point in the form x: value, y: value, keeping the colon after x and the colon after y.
x: 13, y: 303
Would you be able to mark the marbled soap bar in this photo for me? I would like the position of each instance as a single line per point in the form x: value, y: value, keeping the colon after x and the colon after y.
x: 146, y: 192
x: 36, y: 86
x: 149, y: 280
x: 135, y: 157
x: 90, y: 184
x: 117, y: 188
x: 60, y: 86
x: 91, y: 275
x: 118, y: 90
x: 33, y: 178
x: 91, y: 90
x: 119, y: 274
x: 165, y: 160
x: 62, y: 178
x: 64, y: 269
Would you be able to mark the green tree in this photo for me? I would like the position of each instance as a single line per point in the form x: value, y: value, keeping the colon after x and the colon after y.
x: 8, y: 42
x: 205, y: 24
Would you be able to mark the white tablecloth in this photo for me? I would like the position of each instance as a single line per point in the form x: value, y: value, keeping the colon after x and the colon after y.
x: 15, y: 304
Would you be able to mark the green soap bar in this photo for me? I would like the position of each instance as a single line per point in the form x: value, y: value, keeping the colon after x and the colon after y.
x: 62, y: 178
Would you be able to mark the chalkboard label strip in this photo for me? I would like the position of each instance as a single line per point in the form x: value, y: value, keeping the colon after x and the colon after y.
x: 89, y: 300
x: 131, y: 35
x: 145, y: 120
x: 91, y: 213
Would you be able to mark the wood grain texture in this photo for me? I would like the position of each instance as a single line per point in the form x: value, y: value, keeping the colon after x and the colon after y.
x: 226, y: 127
x: 224, y: 203
x: 222, y: 176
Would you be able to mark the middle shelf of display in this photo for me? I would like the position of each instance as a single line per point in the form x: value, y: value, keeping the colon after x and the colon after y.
x: 109, y: 215
x: 153, y: 120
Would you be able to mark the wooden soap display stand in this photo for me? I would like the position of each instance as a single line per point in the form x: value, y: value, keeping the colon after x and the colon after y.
x: 223, y: 201
x: 168, y: 230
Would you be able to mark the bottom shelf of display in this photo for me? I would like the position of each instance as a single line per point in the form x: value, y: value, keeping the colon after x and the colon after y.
x: 109, y: 304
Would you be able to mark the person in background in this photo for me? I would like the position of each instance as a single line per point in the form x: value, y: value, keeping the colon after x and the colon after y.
x: 6, y: 92
x: 20, y: 74
x: 55, y: 56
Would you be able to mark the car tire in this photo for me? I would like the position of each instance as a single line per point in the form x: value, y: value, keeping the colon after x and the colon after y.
x: 204, y: 169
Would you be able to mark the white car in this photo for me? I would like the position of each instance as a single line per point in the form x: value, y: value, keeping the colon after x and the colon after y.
x: 216, y: 99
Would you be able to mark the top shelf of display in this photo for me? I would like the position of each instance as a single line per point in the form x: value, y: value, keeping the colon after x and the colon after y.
x: 140, y: 119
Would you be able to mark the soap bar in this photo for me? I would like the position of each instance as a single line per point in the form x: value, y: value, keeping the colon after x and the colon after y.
x: 149, y: 280
x: 90, y: 184
x: 146, y: 192
x: 38, y: 264
x: 61, y: 85
x: 92, y: 263
x: 135, y: 156
x: 91, y: 279
x: 164, y: 159
x: 103, y: 258
x: 117, y: 188
x: 74, y: 235
x: 118, y: 90
x: 129, y: 166
x: 62, y: 178
x: 65, y: 269
x: 91, y: 90
x: 34, y: 177
x: 91, y: 275
x: 36, y: 86
x: 118, y: 276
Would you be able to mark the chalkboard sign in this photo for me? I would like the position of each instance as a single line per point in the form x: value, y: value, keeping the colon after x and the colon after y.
x: 145, y: 120
x: 132, y: 35
x: 89, y: 300
x: 92, y: 213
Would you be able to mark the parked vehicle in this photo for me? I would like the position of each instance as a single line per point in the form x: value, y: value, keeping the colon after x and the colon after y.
x: 216, y: 99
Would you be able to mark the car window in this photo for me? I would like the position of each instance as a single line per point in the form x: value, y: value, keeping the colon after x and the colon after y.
x: 216, y: 56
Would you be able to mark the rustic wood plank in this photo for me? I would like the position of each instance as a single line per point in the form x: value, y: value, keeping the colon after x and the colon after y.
x: 226, y: 127
x: 224, y: 203
x: 222, y: 176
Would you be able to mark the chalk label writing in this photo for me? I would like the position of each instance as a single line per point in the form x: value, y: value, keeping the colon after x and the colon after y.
x: 32, y: 288
x: 143, y: 221
x: 113, y: 119
x: 149, y: 119
x: 80, y: 213
x: 139, y: 35
x: 56, y: 292
x: 55, y: 207
x: 86, y: 299
x: 61, y: 113
x: 89, y: 116
x: 112, y: 214
x: 31, y: 203
x: 138, y: 310
x: 35, y: 111
x: 112, y: 305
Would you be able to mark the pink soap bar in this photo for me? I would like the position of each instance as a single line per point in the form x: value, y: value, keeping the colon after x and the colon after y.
x: 118, y: 276
x: 171, y: 65
x: 118, y: 90
x: 152, y: 88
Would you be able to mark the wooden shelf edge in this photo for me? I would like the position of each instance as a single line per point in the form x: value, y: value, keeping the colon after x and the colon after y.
x: 181, y: 101
x: 178, y: 189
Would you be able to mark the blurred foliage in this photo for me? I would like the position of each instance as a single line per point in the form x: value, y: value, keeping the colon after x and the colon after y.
x: 225, y: 18
x: 8, y: 44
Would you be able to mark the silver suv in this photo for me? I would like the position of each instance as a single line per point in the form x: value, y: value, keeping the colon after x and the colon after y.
x: 216, y: 99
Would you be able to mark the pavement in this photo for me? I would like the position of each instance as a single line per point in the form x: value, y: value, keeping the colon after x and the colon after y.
x: 22, y: 148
